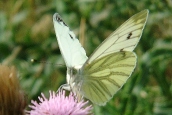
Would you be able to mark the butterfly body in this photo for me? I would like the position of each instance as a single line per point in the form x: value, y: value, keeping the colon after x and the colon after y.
x: 100, y: 76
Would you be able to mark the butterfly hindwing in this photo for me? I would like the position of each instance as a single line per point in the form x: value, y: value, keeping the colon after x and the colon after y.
x: 105, y: 76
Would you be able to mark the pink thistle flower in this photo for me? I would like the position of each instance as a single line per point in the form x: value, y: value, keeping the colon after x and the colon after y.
x: 59, y: 104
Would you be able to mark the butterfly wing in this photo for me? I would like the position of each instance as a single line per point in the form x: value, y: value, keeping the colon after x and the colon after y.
x: 72, y: 51
x: 106, y: 75
x: 125, y: 38
x: 112, y: 63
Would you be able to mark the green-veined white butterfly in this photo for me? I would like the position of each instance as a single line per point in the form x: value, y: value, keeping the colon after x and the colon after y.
x: 100, y: 76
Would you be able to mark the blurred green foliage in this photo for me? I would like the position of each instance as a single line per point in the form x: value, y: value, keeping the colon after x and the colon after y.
x: 27, y: 32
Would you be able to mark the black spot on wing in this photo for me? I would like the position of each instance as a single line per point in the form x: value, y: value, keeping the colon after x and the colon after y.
x: 70, y: 36
x: 129, y: 35
x: 121, y: 49
x: 65, y: 24
x: 59, y: 19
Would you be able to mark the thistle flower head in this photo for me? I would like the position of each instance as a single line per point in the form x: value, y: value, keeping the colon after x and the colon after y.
x: 12, y: 101
x: 59, y: 104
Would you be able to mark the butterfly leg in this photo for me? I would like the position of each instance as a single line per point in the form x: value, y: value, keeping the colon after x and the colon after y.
x: 65, y: 87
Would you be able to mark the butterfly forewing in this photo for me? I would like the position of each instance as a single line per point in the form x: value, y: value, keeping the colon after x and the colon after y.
x: 125, y: 38
x: 105, y: 76
x: 72, y: 51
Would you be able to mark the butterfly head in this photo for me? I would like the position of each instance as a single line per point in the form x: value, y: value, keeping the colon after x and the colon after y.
x: 72, y: 75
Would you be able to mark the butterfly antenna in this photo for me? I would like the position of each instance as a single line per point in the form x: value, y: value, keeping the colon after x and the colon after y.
x: 36, y: 61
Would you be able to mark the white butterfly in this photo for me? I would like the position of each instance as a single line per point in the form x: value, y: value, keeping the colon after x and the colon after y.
x: 100, y: 76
